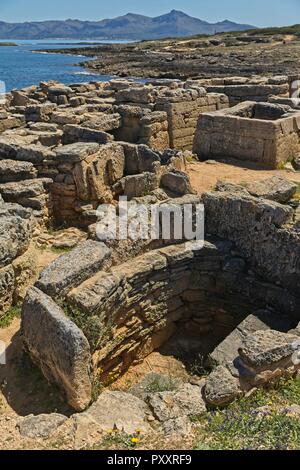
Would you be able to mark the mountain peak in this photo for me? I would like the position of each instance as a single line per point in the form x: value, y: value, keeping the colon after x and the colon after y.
x: 130, y: 26
x: 177, y: 12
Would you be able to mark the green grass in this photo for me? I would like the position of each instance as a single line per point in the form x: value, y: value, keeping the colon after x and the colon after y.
x: 239, y: 428
x: 13, y: 312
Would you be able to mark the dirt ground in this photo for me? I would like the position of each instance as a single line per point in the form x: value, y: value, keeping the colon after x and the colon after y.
x: 204, y: 175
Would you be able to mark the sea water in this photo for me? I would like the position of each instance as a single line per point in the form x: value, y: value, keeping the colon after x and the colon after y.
x: 21, y: 67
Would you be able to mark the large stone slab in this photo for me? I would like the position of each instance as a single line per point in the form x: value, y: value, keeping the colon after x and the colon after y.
x: 12, y: 192
x: 275, y: 188
x: 266, y: 348
x: 76, y: 152
x: 113, y: 410
x: 71, y: 269
x: 227, y: 351
x: 11, y: 170
x: 58, y: 346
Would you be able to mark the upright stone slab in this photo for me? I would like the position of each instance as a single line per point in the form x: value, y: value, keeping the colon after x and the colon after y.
x: 58, y: 346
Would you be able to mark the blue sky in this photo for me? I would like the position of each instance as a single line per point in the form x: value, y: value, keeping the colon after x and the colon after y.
x: 257, y: 12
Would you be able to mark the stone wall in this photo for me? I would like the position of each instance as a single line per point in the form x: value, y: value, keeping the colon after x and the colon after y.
x: 161, y: 115
x: 263, y: 229
x: 237, y: 133
x: 132, y: 309
x: 239, y: 89
x: 18, y: 264
x: 183, y: 108
x: 142, y: 126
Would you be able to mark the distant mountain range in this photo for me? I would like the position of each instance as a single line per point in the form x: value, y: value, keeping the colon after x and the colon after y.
x: 130, y: 26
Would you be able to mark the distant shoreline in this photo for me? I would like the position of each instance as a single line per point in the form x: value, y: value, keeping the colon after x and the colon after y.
x: 6, y: 44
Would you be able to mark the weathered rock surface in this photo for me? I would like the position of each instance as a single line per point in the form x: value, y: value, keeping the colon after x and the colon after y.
x: 275, y: 188
x: 71, y: 269
x: 187, y: 401
x: 114, y: 410
x: 40, y: 426
x: 74, y: 153
x: 266, y: 348
x: 221, y: 387
x: 177, y: 182
x: 11, y: 171
x: 15, y: 232
x: 58, y: 346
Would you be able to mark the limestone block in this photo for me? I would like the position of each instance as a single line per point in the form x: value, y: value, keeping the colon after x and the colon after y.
x: 57, y: 345
x: 71, y: 269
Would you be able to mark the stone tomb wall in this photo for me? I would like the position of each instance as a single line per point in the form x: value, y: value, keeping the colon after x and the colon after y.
x: 18, y: 264
x: 117, y: 317
x: 183, y: 109
x: 264, y: 230
x: 239, y: 89
x: 237, y: 133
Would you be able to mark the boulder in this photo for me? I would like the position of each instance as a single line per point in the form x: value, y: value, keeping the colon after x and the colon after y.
x: 15, y: 232
x: 221, y: 387
x: 275, y: 189
x: 60, y: 90
x: 71, y: 269
x: 264, y: 349
x: 177, y: 182
x: 137, y: 185
x: 178, y: 427
x: 186, y: 401
x: 147, y: 159
x: 227, y: 350
x: 40, y: 426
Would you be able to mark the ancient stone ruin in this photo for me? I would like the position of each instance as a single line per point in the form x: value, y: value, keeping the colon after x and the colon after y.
x: 267, y: 134
x: 103, y: 306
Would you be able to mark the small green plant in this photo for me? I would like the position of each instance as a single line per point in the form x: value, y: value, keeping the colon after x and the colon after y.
x: 97, y: 386
x: 94, y: 330
x: 118, y: 440
x: 13, y: 312
x: 162, y: 384
x: 60, y: 250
